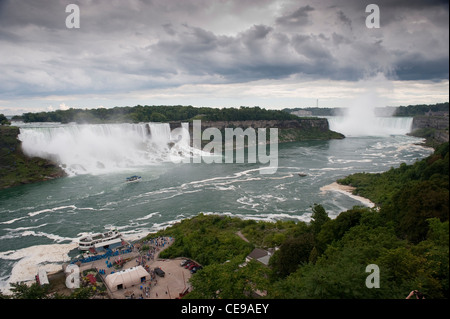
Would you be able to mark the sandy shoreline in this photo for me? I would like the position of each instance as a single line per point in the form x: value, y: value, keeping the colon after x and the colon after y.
x: 347, y: 190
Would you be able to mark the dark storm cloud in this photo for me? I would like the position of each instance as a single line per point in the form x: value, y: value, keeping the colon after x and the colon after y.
x: 134, y: 44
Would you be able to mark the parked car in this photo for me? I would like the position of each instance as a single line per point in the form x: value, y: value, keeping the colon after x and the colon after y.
x: 159, y: 272
x: 184, y: 262
x: 195, y: 269
x: 192, y: 266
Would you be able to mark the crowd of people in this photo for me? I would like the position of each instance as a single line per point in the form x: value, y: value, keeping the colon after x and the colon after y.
x: 149, y: 250
x: 144, y: 254
x: 154, y: 245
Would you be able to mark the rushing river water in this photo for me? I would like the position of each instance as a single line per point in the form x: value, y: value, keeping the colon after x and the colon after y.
x: 40, y: 223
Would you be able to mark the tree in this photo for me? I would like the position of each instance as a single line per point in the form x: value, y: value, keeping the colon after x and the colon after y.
x: 157, y: 117
x: 4, y: 120
x: 318, y: 218
x: 34, y: 291
x: 334, y: 229
x: 292, y: 253
x: 413, y: 205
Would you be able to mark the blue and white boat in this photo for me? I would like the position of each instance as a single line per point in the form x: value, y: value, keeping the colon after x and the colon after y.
x: 99, y: 240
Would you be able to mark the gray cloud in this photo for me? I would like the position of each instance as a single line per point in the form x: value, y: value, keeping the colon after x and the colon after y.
x: 344, y: 19
x: 135, y: 45
x: 299, y: 17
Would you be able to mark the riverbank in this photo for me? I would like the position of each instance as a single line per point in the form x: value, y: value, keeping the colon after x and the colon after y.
x: 347, y: 190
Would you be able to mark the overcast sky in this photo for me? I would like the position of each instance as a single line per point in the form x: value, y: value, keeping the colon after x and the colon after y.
x: 220, y: 53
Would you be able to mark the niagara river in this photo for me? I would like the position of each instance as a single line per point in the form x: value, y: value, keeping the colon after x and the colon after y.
x: 40, y: 223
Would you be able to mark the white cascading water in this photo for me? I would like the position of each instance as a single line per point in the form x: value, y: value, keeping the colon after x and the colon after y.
x: 370, y: 126
x: 102, y: 148
x: 360, y: 119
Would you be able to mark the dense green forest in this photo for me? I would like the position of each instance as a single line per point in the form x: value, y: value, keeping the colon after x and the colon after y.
x: 166, y: 113
x: 421, y: 109
x: 406, y: 236
x: 156, y: 113
x: 410, y: 194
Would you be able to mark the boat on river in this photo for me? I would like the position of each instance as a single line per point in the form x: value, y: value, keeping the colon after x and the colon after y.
x: 100, y: 240
x: 133, y: 179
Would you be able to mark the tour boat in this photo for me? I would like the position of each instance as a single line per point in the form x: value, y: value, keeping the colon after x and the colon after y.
x: 100, y: 240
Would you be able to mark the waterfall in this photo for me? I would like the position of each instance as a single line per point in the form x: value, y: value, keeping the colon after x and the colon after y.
x: 370, y: 125
x: 102, y: 148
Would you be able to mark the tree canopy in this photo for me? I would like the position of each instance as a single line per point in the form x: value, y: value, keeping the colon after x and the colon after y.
x: 156, y: 113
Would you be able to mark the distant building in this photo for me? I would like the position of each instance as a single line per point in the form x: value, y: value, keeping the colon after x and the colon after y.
x: 261, y: 255
x: 302, y: 113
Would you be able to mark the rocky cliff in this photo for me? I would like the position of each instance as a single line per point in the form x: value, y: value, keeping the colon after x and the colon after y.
x: 16, y: 168
x: 432, y: 127
x: 288, y: 130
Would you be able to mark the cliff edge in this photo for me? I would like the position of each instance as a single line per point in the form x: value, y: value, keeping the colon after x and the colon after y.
x: 432, y: 127
x: 16, y: 168
x: 301, y: 129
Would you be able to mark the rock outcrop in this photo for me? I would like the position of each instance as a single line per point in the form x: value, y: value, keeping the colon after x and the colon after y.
x: 432, y: 127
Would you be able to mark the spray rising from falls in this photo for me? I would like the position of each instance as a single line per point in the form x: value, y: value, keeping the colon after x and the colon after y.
x: 102, y: 148
x: 360, y: 119
x: 370, y: 126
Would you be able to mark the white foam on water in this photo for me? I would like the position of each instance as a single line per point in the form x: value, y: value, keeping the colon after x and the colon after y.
x: 51, y: 210
x: 271, y: 217
x: 149, y: 216
x: 12, y: 220
x: 30, y: 259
